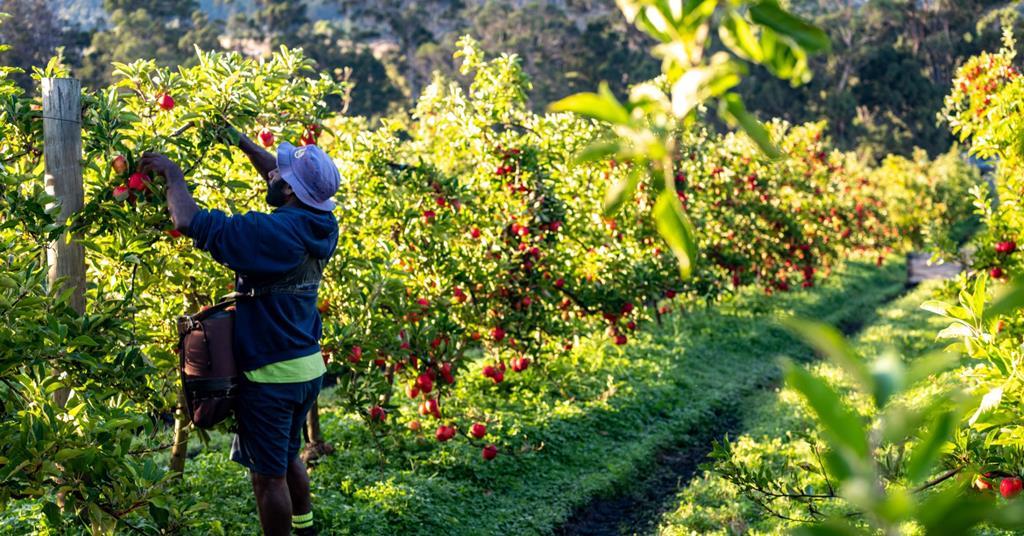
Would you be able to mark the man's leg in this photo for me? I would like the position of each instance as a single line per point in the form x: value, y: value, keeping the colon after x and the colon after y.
x: 274, y: 504
x: 298, y: 478
x: 302, y: 505
x: 298, y: 487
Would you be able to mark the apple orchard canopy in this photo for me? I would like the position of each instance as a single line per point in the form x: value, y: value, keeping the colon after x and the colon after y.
x: 311, y: 174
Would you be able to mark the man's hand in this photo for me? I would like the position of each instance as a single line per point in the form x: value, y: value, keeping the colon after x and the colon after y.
x: 226, y: 132
x: 179, y: 200
x: 156, y: 163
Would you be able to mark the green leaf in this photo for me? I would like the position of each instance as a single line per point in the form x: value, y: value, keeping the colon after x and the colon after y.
x: 602, y: 106
x: 927, y: 451
x: 598, y: 150
x: 8, y: 282
x: 739, y: 36
x: 83, y: 340
x: 676, y: 229
x: 988, y: 403
x: 829, y: 342
x: 52, y: 512
x: 809, y: 37
x: 951, y: 511
x: 839, y: 421
x: 890, y: 377
x: 1008, y: 299
x: 621, y: 191
x: 937, y: 307
x: 923, y: 368
x: 831, y: 528
x: 702, y: 83
x: 67, y: 454
x: 734, y: 112
x: 957, y: 330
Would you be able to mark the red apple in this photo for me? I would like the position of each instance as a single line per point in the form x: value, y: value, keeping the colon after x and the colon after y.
x: 309, y: 136
x: 138, y: 181
x: 414, y: 426
x: 489, y: 452
x: 173, y: 233
x: 1010, y: 487
x: 444, y: 432
x: 620, y: 340
x: 498, y: 377
x: 378, y: 414
x: 324, y: 306
x: 266, y: 137
x: 412, y: 391
x: 520, y: 364
x: 497, y: 334
x: 475, y: 233
x: 996, y: 272
x: 119, y: 164
x: 165, y: 101
x: 425, y: 383
x: 982, y: 483
x: 478, y: 430
x: 1008, y: 246
x: 122, y: 193
x: 559, y: 283
x: 446, y: 373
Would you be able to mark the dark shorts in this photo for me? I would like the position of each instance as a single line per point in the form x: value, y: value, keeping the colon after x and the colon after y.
x: 270, y: 419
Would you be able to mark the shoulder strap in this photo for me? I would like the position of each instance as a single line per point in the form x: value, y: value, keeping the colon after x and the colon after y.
x: 303, y: 280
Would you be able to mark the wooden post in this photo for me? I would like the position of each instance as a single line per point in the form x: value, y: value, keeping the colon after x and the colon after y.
x: 62, y: 151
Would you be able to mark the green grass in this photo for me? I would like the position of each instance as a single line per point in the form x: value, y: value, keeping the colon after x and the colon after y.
x: 776, y: 431
x: 582, y: 426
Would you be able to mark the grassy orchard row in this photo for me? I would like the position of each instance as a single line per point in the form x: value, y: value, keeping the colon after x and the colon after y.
x: 469, y: 234
x: 780, y: 441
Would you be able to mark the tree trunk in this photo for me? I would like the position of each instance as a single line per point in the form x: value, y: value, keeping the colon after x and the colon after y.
x: 313, y: 424
x: 316, y: 447
x: 180, y: 448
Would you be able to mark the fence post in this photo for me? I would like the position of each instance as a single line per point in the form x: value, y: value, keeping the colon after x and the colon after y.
x: 62, y: 152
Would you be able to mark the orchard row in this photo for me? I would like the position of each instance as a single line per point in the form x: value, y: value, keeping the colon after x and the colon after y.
x: 473, y: 251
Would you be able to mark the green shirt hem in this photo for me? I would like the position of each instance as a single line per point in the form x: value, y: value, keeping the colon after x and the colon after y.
x: 300, y: 369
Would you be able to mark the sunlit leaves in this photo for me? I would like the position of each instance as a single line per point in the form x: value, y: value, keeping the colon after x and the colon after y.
x: 769, y: 14
x: 602, y: 106
x: 675, y: 227
x: 735, y: 112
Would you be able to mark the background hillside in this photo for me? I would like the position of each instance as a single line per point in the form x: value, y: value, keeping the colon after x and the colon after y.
x: 882, y: 85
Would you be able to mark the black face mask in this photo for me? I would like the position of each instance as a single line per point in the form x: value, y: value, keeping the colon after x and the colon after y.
x: 275, y: 193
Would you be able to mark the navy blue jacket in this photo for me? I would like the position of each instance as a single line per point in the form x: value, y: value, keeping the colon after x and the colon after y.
x: 274, y: 327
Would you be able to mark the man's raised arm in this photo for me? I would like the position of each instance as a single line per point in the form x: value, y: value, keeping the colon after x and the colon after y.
x: 261, y: 159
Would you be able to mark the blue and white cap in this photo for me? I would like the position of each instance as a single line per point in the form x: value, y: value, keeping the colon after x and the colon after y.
x: 310, y: 172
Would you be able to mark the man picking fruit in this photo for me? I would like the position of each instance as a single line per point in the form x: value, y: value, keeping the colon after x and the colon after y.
x: 278, y: 259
